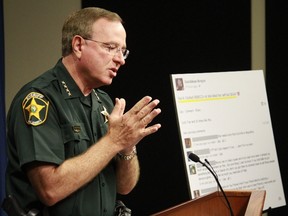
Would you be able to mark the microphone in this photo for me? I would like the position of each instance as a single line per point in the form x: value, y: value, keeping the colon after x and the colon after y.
x: 196, y: 159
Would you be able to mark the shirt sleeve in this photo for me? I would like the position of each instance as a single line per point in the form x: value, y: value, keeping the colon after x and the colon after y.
x: 36, y: 130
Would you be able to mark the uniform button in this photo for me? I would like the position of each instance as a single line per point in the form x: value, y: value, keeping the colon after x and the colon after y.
x: 105, y: 210
x: 103, y: 184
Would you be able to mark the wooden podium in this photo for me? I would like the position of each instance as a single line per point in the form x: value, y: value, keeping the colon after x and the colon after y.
x: 243, y: 203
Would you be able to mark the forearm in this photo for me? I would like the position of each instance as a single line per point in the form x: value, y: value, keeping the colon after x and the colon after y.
x: 128, y: 172
x: 54, y: 183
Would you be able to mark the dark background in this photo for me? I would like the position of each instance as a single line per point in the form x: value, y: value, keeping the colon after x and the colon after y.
x: 167, y: 37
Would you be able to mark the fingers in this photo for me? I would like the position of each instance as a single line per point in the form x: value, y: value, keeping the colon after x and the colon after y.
x: 147, y: 114
x: 152, y: 129
x: 143, y: 108
x: 127, y: 129
x: 140, y: 104
x: 143, y: 113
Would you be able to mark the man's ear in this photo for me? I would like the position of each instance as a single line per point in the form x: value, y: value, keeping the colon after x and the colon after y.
x: 77, y: 43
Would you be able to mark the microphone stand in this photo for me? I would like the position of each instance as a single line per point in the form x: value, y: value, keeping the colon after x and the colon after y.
x: 196, y: 159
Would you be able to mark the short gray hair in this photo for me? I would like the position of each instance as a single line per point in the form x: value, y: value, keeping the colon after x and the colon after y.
x: 80, y: 23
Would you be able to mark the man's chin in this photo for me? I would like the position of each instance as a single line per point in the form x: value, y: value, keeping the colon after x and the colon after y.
x: 108, y: 82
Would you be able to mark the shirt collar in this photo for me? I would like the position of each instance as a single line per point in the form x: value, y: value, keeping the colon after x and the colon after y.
x: 67, y: 84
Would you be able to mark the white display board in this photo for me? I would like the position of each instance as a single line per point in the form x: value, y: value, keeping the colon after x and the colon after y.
x: 224, y: 117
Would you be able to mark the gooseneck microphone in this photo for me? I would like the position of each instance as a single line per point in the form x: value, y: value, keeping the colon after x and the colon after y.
x: 196, y: 159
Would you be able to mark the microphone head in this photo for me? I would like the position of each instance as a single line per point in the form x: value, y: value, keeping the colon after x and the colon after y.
x: 194, y: 157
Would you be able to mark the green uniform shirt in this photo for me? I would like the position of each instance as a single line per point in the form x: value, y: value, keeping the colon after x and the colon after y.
x: 50, y: 120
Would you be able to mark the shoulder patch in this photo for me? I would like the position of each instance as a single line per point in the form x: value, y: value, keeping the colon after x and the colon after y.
x: 35, y: 108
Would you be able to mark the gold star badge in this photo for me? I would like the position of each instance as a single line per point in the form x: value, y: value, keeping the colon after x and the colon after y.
x: 35, y: 108
x: 105, y: 114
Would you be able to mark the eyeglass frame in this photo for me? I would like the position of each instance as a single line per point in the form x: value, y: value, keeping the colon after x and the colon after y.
x: 110, y: 46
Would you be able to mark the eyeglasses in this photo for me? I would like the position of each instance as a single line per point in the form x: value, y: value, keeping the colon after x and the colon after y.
x: 112, y: 49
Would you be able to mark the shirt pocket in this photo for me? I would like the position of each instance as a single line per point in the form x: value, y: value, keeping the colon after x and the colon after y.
x: 75, y: 138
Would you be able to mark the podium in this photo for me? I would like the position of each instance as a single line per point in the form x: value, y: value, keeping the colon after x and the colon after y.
x: 243, y: 203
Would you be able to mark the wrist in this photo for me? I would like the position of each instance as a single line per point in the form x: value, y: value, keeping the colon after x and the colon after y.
x: 125, y: 156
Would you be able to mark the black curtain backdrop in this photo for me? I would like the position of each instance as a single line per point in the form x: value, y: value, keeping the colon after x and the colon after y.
x: 2, y: 112
x: 168, y: 37
x: 276, y: 67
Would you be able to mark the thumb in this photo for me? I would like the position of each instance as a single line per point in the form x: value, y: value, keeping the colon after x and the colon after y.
x: 119, y: 107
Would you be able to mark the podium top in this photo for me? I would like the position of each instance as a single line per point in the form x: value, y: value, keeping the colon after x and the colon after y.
x: 243, y: 203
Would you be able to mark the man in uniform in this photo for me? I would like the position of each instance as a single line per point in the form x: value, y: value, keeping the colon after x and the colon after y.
x: 70, y: 149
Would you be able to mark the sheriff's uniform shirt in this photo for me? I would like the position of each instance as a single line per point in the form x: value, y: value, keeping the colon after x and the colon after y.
x: 50, y: 120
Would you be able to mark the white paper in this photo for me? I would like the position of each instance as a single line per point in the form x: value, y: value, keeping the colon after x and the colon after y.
x: 224, y: 117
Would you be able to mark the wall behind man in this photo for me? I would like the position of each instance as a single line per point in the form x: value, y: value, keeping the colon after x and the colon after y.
x: 32, y: 34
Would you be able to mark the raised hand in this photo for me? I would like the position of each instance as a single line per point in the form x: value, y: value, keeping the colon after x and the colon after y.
x: 127, y: 129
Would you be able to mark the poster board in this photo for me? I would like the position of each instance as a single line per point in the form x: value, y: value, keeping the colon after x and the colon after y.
x: 224, y: 117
